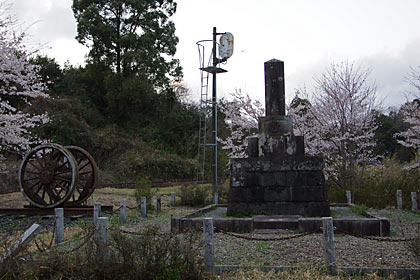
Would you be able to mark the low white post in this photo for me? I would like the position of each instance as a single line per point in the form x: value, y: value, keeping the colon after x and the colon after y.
x: 331, y: 263
x: 158, y: 202
x: 123, y: 211
x: 208, y: 244
x: 414, y: 201
x: 216, y: 198
x: 102, y: 237
x: 59, y: 225
x: 23, y: 241
x: 172, y: 199
x: 143, y: 207
x: 399, y: 199
x: 348, y: 195
x: 96, y: 212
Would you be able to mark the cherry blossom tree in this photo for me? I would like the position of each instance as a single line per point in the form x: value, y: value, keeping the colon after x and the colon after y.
x: 411, y: 114
x: 19, y: 83
x: 341, y: 122
x: 241, y: 117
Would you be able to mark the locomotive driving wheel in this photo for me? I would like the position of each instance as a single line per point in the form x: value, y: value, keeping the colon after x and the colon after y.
x: 88, y: 176
x: 48, y: 175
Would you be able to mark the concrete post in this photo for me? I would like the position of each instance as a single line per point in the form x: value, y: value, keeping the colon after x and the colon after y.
x: 59, y: 225
x: 216, y: 198
x: 158, y: 202
x: 23, y: 241
x: 331, y: 263
x: 348, y: 195
x: 96, y: 212
x: 414, y: 201
x: 143, y: 207
x: 102, y: 238
x: 123, y: 211
x: 172, y: 199
x: 399, y: 199
x: 208, y: 244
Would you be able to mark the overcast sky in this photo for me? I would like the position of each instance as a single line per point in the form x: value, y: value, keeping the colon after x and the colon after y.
x: 307, y: 35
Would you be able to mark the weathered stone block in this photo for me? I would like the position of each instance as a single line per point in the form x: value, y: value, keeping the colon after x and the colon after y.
x: 291, y: 178
x: 277, y: 125
x: 276, y: 222
x: 315, y: 178
x: 238, y: 179
x: 361, y: 227
x: 238, y: 209
x: 255, y: 194
x: 307, y: 193
x: 267, y: 179
x: 252, y: 179
x: 301, y: 178
x: 234, y: 224
x: 307, y: 209
x: 253, y: 147
x: 280, y: 178
x: 309, y: 224
x: 273, y: 194
x: 384, y: 227
x: 238, y: 194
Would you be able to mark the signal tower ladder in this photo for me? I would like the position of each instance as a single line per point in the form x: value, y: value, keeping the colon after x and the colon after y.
x: 206, y: 104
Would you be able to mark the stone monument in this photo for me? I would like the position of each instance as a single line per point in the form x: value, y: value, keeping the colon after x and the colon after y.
x: 277, y: 178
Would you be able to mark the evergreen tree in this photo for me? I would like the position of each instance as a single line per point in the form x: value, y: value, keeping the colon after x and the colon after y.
x: 130, y: 36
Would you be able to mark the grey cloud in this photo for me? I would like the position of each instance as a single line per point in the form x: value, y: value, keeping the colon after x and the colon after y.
x: 46, y: 24
x: 388, y: 72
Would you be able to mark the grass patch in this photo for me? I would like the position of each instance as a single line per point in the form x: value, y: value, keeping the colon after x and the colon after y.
x: 149, y: 255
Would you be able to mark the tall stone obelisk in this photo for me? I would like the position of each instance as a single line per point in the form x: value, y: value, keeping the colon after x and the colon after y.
x: 277, y: 177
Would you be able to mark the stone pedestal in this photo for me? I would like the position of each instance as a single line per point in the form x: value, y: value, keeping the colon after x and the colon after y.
x: 277, y: 178
x: 287, y: 185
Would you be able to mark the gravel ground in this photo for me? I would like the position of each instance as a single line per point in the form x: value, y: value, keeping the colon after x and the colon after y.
x: 306, y: 250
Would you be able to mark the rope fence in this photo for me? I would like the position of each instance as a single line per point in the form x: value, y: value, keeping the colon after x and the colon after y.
x: 281, y: 238
x: 288, y: 237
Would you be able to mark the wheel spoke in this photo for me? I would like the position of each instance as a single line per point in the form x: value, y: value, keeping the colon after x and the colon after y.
x: 61, y: 166
x: 52, y: 195
x: 31, y: 179
x: 62, y: 179
x: 36, y: 167
x: 36, y: 183
x: 44, y: 159
x: 88, y: 163
x: 43, y: 192
x: 38, y: 189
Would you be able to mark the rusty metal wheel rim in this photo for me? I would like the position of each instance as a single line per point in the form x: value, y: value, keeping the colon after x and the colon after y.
x: 88, y: 176
x: 48, y: 175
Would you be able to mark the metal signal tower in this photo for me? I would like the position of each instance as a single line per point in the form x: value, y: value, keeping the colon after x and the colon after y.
x: 209, y: 103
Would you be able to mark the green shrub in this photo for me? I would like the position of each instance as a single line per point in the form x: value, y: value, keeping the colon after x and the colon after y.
x: 193, y: 195
x: 143, y: 188
x: 359, y: 209
x: 158, y: 165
